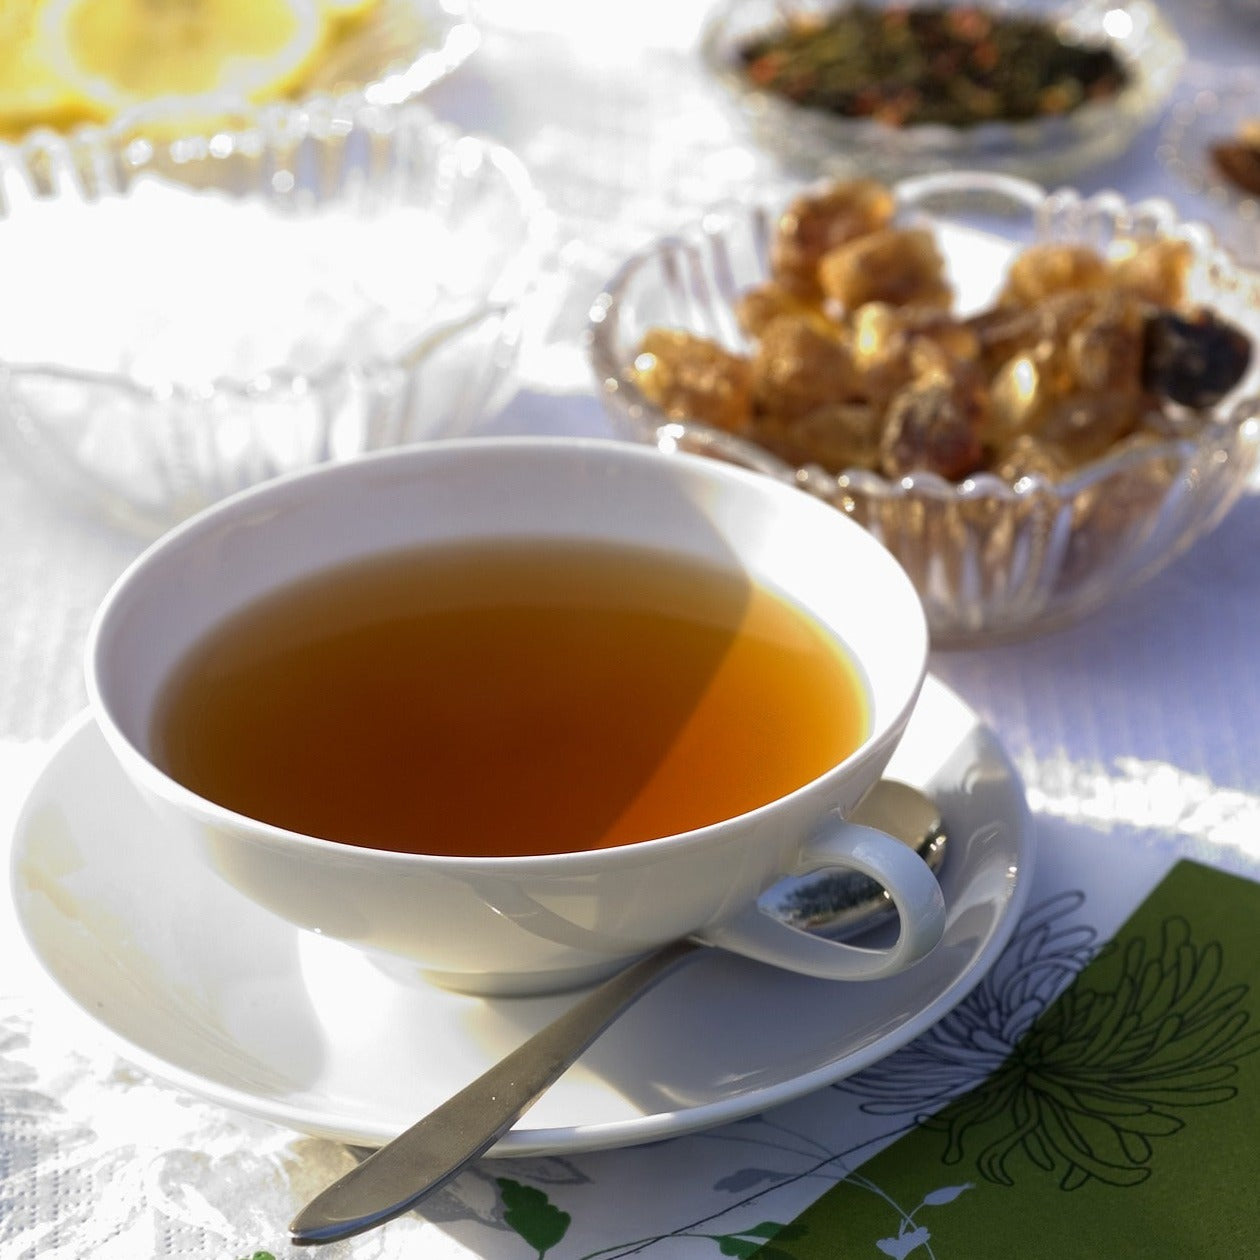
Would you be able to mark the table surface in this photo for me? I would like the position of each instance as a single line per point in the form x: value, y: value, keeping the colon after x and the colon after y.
x: 1137, y: 732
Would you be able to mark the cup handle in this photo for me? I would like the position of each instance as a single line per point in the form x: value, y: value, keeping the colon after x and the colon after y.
x: 913, y: 888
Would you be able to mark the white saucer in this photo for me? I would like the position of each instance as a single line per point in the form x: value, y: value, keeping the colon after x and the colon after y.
x: 215, y: 995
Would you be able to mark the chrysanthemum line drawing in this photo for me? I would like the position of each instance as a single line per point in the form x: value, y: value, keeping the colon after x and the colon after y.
x: 1081, y: 1085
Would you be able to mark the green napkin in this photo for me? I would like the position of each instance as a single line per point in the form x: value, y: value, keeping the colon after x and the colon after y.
x: 1125, y: 1123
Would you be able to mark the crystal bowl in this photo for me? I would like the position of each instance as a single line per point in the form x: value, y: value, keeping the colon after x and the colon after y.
x: 813, y: 142
x: 399, y: 50
x: 143, y: 400
x: 1210, y: 107
x: 991, y: 560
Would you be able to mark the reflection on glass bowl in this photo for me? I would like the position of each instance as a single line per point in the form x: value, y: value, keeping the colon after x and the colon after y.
x: 812, y: 142
x: 330, y: 283
x: 991, y: 559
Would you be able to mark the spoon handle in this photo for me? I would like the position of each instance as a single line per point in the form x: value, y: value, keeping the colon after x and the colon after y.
x: 395, y: 1178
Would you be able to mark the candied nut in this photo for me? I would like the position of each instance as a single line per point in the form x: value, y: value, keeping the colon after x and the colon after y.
x: 1042, y: 270
x: 880, y: 348
x: 951, y: 336
x: 690, y: 377
x: 1083, y: 354
x: 884, y: 334
x: 815, y: 223
x: 836, y: 436
x: 1104, y: 352
x: 876, y: 329
x: 1030, y: 456
x: 1084, y: 426
x: 1193, y: 359
x: 1017, y: 395
x: 1040, y: 330
x: 900, y: 266
x: 936, y: 355
x: 1155, y: 272
x: 797, y: 368
x: 896, y: 345
x: 756, y: 308
x: 1027, y: 383
x: 1003, y: 332
x: 934, y: 425
x: 1238, y: 160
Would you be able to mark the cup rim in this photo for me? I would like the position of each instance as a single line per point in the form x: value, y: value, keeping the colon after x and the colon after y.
x: 143, y: 770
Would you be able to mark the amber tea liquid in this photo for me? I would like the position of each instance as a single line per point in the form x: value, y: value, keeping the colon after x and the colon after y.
x: 506, y: 699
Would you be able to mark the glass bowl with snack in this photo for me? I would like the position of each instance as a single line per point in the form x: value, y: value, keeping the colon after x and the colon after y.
x: 1037, y: 88
x: 334, y: 284
x: 1034, y: 400
x: 198, y: 68
x: 1210, y: 144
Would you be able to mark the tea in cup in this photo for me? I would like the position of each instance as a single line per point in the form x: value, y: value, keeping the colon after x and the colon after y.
x: 515, y: 711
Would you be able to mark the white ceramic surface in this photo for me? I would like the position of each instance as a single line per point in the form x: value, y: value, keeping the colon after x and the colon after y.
x: 219, y: 997
x: 542, y: 922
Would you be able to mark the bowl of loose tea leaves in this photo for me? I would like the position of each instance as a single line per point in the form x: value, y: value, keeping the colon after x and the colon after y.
x: 1034, y: 400
x: 1040, y: 89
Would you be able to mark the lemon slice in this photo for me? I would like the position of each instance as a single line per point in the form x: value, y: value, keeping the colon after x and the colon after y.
x: 121, y: 53
x: 31, y: 91
x: 348, y: 8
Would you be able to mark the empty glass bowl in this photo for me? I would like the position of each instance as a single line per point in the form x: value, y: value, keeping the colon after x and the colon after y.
x: 1050, y: 149
x: 990, y: 559
x: 184, y: 321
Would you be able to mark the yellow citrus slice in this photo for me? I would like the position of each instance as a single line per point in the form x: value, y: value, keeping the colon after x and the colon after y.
x: 348, y: 8
x: 125, y: 52
x: 31, y: 91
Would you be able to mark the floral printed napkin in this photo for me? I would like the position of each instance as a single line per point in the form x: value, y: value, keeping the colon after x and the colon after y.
x: 1125, y: 1123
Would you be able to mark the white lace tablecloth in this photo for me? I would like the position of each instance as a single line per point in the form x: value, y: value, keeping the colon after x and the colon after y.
x: 1137, y: 733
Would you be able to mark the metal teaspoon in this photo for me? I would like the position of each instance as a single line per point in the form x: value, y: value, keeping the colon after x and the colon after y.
x: 395, y: 1178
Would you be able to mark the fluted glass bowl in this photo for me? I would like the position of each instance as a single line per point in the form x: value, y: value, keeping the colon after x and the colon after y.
x: 400, y: 49
x: 1211, y: 105
x: 1053, y: 149
x: 133, y: 393
x: 990, y: 559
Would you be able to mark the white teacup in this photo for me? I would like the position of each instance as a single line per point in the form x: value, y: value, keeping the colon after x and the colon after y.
x: 535, y: 923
